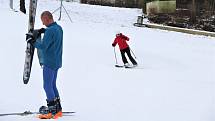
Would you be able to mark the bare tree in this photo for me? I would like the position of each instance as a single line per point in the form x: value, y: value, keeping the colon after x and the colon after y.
x: 193, y: 12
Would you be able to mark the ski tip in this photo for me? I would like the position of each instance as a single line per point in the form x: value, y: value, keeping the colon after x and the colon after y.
x: 25, y: 82
x: 118, y: 66
x: 66, y: 112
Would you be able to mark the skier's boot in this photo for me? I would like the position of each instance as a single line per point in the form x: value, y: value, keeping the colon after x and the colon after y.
x: 135, y: 64
x: 52, y: 110
x: 59, y: 108
x: 44, y: 110
x: 127, y: 65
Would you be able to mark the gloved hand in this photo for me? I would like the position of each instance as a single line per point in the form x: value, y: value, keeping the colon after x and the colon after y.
x: 31, y: 37
x: 38, y: 32
x: 42, y: 30
x: 113, y: 45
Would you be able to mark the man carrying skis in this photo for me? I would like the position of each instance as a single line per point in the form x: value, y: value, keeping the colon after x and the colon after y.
x: 50, y: 56
x: 124, y: 48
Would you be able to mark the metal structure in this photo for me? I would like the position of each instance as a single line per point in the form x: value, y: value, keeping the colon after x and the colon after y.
x: 60, y: 8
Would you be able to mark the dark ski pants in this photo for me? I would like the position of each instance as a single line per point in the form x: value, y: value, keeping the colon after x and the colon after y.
x: 127, y: 51
x: 49, y: 83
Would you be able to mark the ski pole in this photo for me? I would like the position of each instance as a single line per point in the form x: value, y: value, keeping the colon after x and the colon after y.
x: 115, y: 56
x: 133, y: 53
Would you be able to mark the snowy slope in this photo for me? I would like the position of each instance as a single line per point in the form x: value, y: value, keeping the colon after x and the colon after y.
x: 175, y: 79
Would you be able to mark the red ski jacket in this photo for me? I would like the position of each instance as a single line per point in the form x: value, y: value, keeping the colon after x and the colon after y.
x: 121, y: 41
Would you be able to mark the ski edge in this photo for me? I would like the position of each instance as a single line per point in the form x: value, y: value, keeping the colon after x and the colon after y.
x: 122, y: 66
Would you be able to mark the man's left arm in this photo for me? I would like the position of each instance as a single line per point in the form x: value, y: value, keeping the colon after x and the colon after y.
x: 45, y: 41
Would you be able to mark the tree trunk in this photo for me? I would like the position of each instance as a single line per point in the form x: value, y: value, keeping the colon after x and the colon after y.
x: 193, y: 12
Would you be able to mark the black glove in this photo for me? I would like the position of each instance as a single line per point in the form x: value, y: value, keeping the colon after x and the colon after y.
x: 37, y: 32
x: 113, y: 45
x: 42, y: 30
x: 31, y: 37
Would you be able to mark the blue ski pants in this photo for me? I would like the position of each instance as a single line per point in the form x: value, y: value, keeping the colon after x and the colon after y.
x: 49, y: 83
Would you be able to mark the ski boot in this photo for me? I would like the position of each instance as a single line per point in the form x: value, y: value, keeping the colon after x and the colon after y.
x: 44, y: 110
x: 135, y: 65
x: 127, y: 65
x: 59, y: 108
x: 50, y: 111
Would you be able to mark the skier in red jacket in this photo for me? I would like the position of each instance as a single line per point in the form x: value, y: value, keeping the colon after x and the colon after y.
x: 124, y: 48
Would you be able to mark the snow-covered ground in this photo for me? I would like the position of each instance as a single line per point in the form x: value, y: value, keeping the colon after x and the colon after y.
x: 175, y: 80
